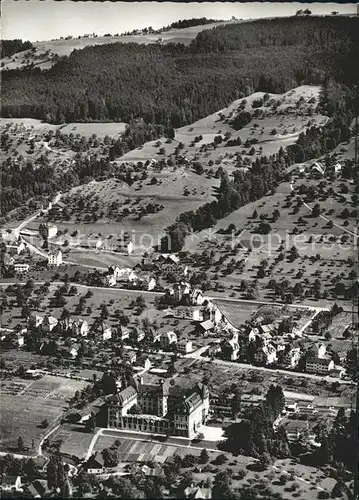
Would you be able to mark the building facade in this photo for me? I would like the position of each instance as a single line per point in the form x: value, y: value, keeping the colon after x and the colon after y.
x: 163, y: 409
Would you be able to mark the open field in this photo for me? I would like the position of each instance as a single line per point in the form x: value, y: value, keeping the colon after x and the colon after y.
x: 74, y: 439
x: 43, y: 54
x: 236, y: 314
x: 277, y: 123
x: 26, y: 404
x: 113, y: 129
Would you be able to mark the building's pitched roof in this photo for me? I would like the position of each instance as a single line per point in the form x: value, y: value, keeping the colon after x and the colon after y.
x: 94, y: 461
x: 207, y: 325
x: 319, y: 361
x: 8, y: 480
x: 190, y: 403
x: 126, y: 394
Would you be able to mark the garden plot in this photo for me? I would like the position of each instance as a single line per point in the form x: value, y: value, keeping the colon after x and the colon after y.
x: 23, y: 411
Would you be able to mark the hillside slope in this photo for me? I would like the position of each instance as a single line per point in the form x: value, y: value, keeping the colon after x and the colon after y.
x: 180, y: 84
x: 45, y: 53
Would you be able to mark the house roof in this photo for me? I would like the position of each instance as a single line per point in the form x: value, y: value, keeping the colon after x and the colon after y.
x: 8, y: 480
x: 319, y: 361
x: 190, y: 403
x: 38, y: 487
x: 126, y: 394
x: 207, y: 325
x: 51, y: 320
x: 172, y: 337
x: 198, y: 493
x: 94, y: 461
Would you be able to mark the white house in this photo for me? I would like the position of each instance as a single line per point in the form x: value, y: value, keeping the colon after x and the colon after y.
x: 50, y: 230
x: 21, y: 268
x: 10, y: 483
x: 73, y: 351
x: 292, y: 357
x: 95, y: 464
x: 184, y: 346
x: 197, y: 298
x: 34, y: 320
x: 48, y: 323
x: 319, y: 366
x: 111, y: 280
x: 20, y: 340
x: 80, y: 328
x: 167, y: 339
x: 105, y: 331
x: 55, y: 258
x: 337, y: 168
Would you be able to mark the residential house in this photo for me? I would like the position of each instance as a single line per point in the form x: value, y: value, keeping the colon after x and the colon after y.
x: 319, y: 366
x: 122, y: 333
x: 17, y: 248
x: 48, y: 324
x: 110, y: 279
x: 197, y: 493
x: 197, y: 315
x: 95, y: 464
x: 180, y: 291
x: 10, y: 483
x: 230, y: 348
x: 205, y: 328
x: 73, y: 350
x: 80, y: 328
x: 19, y: 340
x: 48, y: 231
x: 291, y: 357
x: 105, y: 331
x: 130, y: 356
x: 38, y: 489
x: 197, y: 297
x: 168, y: 258
x: 266, y: 354
x: 21, y: 268
x: 55, y: 258
x: 168, y: 339
x: 337, y: 168
x: 126, y: 247
x: 155, y: 471
x: 184, y: 346
x: 147, y: 283
x: 137, y: 335
x: 321, y: 351
x: 253, y: 334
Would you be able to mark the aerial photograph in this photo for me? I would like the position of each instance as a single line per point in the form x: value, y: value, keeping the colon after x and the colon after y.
x: 179, y: 250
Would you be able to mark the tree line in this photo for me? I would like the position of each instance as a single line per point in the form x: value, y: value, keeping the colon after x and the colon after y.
x: 245, y: 187
x: 11, y: 47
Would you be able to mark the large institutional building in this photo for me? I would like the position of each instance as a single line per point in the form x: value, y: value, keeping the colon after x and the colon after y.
x: 160, y: 408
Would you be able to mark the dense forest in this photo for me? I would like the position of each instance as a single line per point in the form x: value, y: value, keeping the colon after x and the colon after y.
x: 11, y: 47
x: 174, y: 85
